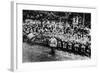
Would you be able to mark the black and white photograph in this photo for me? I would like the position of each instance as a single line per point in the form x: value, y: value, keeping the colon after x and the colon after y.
x: 55, y: 36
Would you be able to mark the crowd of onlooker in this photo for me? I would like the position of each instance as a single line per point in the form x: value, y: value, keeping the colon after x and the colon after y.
x: 57, y: 28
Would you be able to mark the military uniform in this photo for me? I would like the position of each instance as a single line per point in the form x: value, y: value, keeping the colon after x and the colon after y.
x: 53, y: 45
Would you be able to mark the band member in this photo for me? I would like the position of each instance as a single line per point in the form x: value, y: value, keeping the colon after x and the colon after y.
x: 53, y: 45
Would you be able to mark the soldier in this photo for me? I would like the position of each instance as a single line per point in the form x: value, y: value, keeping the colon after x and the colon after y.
x: 53, y: 45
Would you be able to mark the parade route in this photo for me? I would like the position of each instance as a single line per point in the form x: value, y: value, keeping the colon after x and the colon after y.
x: 37, y: 53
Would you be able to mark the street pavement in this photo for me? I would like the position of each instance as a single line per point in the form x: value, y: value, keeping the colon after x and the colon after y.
x: 38, y: 53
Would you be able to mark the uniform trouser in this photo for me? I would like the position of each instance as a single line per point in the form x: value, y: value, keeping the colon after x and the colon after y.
x: 53, y: 51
